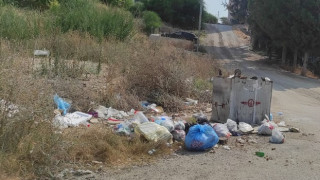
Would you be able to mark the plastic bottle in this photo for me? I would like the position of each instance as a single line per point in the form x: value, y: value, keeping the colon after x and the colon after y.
x: 271, y: 117
x: 260, y: 154
x: 138, y: 115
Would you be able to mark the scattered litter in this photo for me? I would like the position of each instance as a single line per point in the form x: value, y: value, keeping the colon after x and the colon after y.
x: 71, y: 119
x: 153, y: 107
x: 253, y: 141
x: 151, y: 151
x: 41, y: 53
x: 191, y: 101
x: 260, y: 154
x: 283, y: 129
x: 179, y: 125
x: 201, y: 118
x: 106, y: 113
x: 167, y: 124
x: 153, y: 132
x: 62, y: 104
x: 125, y: 128
x: 221, y: 130
x: 208, y: 110
x: 241, y: 141
x: 226, y: 148
x: 277, y: 137
x: 94, y: 121
x: 8, y: 107
x: 139, y: 116
x: 245, y: 128
x: 201, y: 137
x: 81, y: 172
x: 232, y: 126
x: 282, y: 124
x: 179, y: 135
x: 113, y: 121
x: 266, y: 129
x: 294, y: 129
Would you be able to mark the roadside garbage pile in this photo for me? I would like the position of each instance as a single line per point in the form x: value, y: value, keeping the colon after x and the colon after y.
x: 8, y: 108
x: 198, y: 133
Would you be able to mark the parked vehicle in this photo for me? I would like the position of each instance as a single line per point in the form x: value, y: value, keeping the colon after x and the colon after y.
x: 182, y: 35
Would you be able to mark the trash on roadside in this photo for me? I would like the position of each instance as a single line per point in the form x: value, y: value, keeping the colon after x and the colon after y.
x: 226, y: 148
x: 153, y: 132
x: 153, y: 107
x: 266, y: 129
x: 124, y: 128
x: 277, y: 137
x: 94, y: 121
x: 221, y: 130
x: 245, y: 128
x: 201, y: 118
x: 179, y: 135
x: 294, y: 129
x: 201, y: 137
x: 71, y: 119
x: 167, y: 124
x: 180, y: 125
x: 282, y: 124
x: 41, y: 53
x: 138, y: 115
x: 191, y: 101
x: 151, y: 151
x: 260, y: 154
x: 8, y: 107
x: 241, y: 141
x: 232, y: 126
x: 113, y: 121
x: 61, y: 104
x: 106, y: 113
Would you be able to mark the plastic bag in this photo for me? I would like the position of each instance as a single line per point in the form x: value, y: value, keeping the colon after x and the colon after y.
x: 179, y: 125
x: 153, y: 132
x: 201, y: 137
x: 179, y: 135
x: 71, y: 119
x: 245, y: 128
x: 221, y: 130
x: 62, y: 105
x: 266, y: 129
x: 277, y: 137
x: 167, y: 124
x: 232, y: 126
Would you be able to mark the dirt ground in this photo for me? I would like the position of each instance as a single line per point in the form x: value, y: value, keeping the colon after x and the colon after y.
x: 297, y: 97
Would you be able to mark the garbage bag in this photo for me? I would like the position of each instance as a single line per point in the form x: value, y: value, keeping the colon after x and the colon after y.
x: 167, y: 124
x: 232, y: 126
x: 277, y: 137
x: 71, y: 119
x: 62, y: 105
x: 221, y: 130
x: 179, y: 135
x: 201, y: 137
x: 266, y: 129
x: 245, y: 128
x: 153, y: 132
x: 179, y: 125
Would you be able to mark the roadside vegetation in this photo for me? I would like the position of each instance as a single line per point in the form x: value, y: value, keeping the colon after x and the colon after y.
x: 289, y: 30
x: 99, y: 55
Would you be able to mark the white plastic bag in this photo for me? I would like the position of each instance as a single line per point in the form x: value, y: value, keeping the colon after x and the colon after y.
x: 167, y: 124
x: 245, y: 128
x: 179, y: 125
x: 277, y: 137
x: 221, y: 130
x: 179, y: 135
x: 266, y: 129
x: 232, y: 125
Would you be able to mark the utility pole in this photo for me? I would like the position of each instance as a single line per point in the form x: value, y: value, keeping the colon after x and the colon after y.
x: 200, y: 20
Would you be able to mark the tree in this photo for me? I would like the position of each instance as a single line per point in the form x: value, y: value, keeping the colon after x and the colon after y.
x: 137, y: 9
x: 119, y: 3
x: 224, y: 20
x: 209, y: 18
x: 238, y: 10
x: 151, y: 21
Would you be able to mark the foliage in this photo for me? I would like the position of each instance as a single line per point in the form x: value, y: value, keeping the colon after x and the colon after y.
x: 224, y: 20
x: 209, y: 18
x: 151, y: 21
x: 86, y: 16
x: 36, y: 4
x: 119, y: 3
x: 238, y: 10
x: 137, y: 9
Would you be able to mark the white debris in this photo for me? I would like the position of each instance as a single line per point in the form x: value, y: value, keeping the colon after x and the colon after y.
x: 8, y: 107
x: 71, y: 119
x: 41, y: 53
x: 106, y: 113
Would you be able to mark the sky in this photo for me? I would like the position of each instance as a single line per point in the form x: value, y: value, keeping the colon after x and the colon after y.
x: 215, y: 6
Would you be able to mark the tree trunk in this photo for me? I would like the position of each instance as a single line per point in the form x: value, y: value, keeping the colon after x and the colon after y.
x: 305, y: 62
x: 295, y: 58
x: 284, y: 55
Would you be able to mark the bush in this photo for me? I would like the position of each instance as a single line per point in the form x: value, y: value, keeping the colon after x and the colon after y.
x: 137, y: 9
x: 119, y: 3
x: 99, y: 21
x: 151, y: 21
x: 35, y: 4
x: 18, y: 24
x: 209, y: 18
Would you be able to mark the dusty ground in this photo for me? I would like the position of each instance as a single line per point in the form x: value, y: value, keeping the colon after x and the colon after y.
x: 297, y: 97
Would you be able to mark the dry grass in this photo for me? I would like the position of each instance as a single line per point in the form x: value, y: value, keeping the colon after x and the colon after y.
x: 89, y: 73
x: 298, y: 71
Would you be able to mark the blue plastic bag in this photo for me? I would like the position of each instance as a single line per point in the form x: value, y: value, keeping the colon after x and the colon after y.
x: 201, y: 137
x: 62, y: 105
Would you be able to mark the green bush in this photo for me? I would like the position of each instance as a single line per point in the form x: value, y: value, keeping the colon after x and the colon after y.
x: 119, y: 3
x: 35, y: 4
x: 209, y: 18
x: 137, y: 9
x: 88, y: 16
x: 151, y: 21
x: 18, y: 24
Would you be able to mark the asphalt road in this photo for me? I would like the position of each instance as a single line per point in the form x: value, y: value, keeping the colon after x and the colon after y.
x: 297, y: 97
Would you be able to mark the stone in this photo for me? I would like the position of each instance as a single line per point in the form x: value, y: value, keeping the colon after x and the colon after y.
x: 82, y: 172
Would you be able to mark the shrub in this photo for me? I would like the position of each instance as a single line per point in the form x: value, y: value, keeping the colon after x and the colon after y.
x: 137, y: 9
x: 99, y: 21
x: 119, y: 3
x: 151, y: 21
x: 35, y: 4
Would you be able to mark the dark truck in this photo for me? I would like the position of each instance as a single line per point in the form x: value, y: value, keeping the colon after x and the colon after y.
x: 182, y: 35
